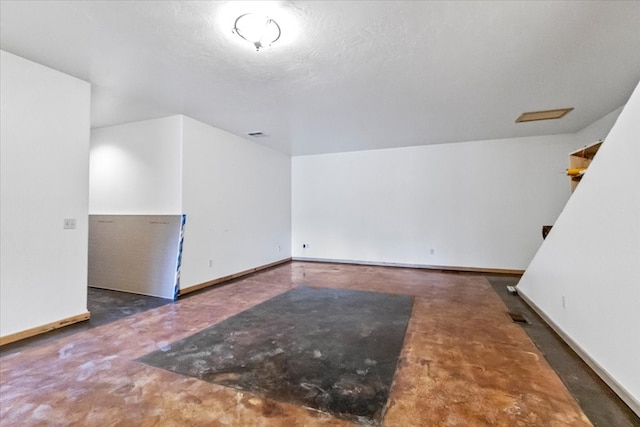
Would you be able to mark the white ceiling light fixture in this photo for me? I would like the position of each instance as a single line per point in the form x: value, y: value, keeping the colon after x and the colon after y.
x: 259, y: 30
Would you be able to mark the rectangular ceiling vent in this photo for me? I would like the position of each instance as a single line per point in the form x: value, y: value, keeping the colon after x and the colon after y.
x: 257, y: 134
x: 534, y: 116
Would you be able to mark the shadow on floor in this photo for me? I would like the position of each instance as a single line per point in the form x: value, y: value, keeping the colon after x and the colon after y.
x: 105, y: 306
x: 599, y: 403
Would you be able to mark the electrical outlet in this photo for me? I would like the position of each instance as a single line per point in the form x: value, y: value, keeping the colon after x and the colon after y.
x: 69, y: 223
x: 210, y: 263
x: 305, y: 246
x: 432, y: 251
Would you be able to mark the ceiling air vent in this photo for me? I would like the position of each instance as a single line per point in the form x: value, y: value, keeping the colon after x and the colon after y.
x: 534, y: 116
x: 257, y: 134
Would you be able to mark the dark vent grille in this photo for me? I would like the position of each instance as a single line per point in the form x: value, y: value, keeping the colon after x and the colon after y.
x: 518, y: 318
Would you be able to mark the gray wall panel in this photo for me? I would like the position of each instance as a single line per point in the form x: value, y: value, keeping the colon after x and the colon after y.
x: 134, y: 253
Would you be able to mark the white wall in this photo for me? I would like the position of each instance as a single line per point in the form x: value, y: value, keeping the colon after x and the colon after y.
x: 237, y: 198
x: 477, y: 204
x: 590, y: 259
x: 44, y: 179
x: 236, y: 194
x: 597, y: 130
x: 135, y: 168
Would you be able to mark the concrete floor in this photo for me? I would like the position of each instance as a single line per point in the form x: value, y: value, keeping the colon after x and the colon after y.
x: 105, y: 306
x: 333, y: 350
x: 603, y: 407
x: 464, y: 362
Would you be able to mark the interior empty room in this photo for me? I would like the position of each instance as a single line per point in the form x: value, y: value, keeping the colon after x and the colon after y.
x: 319, y: 213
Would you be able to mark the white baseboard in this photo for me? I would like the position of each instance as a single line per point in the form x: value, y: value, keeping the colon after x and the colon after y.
x: 618, y: 389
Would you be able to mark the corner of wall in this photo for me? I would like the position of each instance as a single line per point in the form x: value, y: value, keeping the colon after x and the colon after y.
x: 45, y: 146
x: 583, y: 278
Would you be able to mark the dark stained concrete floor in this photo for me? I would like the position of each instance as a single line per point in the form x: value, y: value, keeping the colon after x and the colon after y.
x: 454, y: 368
x: 603, y: 407
x: 333, y: 350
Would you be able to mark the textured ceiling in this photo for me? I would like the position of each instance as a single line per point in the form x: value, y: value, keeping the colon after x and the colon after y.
x: 346, y: 75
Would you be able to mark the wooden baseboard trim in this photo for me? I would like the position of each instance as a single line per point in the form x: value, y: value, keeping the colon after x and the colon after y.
x: 219, y: 280
x: 618, y: 389
x: 422, y: 266
x: 7, y: 339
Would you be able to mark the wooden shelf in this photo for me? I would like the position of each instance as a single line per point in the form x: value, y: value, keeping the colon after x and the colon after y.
x: 579, y: 161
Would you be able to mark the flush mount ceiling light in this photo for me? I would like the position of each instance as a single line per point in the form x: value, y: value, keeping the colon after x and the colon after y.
x: 259, y: 30
x: 534, y: 116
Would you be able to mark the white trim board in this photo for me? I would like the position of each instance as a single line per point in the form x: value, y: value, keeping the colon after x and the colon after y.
x: 595, y: 366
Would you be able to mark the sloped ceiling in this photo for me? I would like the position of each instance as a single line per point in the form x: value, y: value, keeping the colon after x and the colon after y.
x: 346, y: 75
